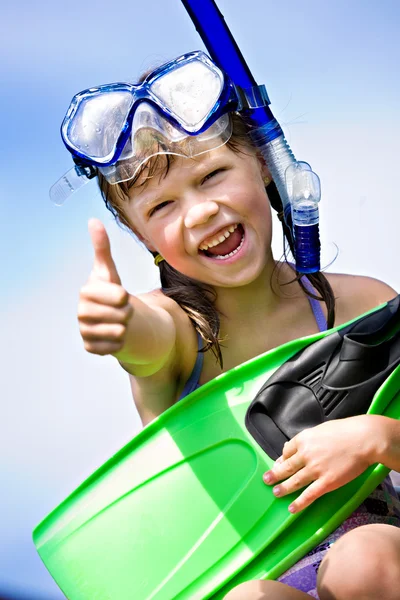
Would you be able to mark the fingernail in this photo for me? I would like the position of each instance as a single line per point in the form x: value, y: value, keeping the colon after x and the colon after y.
x: 279, y: 460
x: 277, y: 490
x: 267, y: 477
x: 292, y: 508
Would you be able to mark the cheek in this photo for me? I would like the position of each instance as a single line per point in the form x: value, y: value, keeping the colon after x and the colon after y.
x: 252, y: 201
x: 165, y: 237
x: 258, y: 213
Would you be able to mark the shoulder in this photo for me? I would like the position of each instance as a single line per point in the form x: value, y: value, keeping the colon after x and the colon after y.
x: 156, y: 393
x: 156, y: 299
x: 357, y: 294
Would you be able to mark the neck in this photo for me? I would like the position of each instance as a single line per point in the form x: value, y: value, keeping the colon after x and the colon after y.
x: 264, y: 314
x: 247, y: 304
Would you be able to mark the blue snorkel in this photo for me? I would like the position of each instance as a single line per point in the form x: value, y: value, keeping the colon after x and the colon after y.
x: 298, y: 186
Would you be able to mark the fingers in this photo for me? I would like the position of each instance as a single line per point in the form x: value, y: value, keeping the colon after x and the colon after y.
x: 104, y: 267
x: 299, y: 480
x: 302, y: 479
x: 314, y: 491
x: 106, y: 333
x: 295, y: 483
x: 292, y: 472
x: 102, y: 292
x: 91, y: 312
x: 289, y: 448
x: 102, y: 347
x: 284, y: 469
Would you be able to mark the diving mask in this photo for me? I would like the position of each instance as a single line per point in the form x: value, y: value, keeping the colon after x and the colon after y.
x: 180, y: 108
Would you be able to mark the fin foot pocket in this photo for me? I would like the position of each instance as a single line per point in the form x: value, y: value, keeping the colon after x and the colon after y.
x: 335, y: 377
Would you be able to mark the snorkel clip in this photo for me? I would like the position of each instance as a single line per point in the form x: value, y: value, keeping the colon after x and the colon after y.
x: 252, y: 97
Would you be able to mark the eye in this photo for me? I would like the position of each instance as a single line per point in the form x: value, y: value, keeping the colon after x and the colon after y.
x: 212, y: 174
x: 158, y: 207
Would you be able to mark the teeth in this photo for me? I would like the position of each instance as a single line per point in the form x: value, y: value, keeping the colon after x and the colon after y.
x: 223, y: 236
x: 219, y: 257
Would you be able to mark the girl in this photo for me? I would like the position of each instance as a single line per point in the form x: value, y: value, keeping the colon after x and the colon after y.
x: 201, y: 205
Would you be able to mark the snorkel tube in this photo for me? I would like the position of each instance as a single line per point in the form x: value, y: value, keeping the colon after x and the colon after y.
x: 297, y: 185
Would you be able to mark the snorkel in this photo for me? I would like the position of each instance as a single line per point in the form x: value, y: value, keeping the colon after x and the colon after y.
x: 297, y: 185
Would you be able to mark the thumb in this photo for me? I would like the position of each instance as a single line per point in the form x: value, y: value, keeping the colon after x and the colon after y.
x: 104, y: 267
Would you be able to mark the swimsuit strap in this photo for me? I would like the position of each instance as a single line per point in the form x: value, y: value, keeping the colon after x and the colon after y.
x: 315, y: 306
x: 193, y: 382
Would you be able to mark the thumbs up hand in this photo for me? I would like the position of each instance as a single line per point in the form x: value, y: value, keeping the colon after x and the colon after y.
x: 104, y: 310
x: 104, y: 267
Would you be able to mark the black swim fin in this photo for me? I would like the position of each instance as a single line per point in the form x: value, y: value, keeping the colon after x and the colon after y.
x: 335, y: 377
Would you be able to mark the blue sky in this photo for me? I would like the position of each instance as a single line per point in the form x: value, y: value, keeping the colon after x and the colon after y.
x: 331, y: 70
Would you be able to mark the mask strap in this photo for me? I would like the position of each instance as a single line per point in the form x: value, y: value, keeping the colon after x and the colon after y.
x: 71, y: 182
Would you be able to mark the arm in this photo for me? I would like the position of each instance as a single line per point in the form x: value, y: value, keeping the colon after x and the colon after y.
x: 386, y: 433
x: 156, y: 390
x: 149, y: 339
x: 151, y: 336
x: 111, y: 321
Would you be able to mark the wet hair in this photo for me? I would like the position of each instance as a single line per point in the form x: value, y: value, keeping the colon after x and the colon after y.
x: 195, y: 298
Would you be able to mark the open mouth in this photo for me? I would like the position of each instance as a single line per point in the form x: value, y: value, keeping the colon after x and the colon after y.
x: 225, y: 244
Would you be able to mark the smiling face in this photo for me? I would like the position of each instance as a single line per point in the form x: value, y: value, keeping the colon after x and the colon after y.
x: 209, y: 217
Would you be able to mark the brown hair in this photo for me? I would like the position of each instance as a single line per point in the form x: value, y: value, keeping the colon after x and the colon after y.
x: 195, y: 298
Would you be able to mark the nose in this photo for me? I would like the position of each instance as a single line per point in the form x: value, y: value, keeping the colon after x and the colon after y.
x: 199, y: 212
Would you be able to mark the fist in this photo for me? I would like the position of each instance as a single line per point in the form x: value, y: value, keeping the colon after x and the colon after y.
x: 104, y: 310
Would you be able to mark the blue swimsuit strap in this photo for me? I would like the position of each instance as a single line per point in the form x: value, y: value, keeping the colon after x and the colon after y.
x: 193, y: 382
x: 315, y: 306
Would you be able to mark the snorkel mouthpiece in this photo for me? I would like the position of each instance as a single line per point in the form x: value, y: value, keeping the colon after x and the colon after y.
x: 266, y: 133
x: 306, y: 193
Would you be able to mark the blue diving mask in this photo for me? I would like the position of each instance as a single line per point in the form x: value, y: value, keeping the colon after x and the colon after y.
x: 180, y: 108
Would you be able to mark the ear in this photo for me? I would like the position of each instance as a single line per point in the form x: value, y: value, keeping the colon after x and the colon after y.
x: 144, y: 241
x: 265, y: 172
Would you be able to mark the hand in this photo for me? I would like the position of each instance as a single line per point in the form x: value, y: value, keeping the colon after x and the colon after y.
x: 104, y: 310
x: 324, y: 458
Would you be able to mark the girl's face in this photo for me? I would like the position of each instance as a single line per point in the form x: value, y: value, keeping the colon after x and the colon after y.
x: 209, y: 217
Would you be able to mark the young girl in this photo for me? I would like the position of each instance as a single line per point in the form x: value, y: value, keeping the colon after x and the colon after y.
x: 206, y: 218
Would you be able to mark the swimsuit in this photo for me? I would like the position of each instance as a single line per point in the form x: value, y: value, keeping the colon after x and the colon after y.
x: 382, y: 506
x: 193, y: 382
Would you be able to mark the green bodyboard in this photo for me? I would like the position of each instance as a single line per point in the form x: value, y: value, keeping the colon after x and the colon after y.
x: 181, y: 512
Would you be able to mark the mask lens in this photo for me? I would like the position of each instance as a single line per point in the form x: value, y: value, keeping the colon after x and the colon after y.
x: 190, y: 92
x: 98, y: 122
x: 161, y: 138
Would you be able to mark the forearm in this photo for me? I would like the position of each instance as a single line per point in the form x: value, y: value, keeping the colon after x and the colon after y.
x: 149, y: 339
x: 386, y: 432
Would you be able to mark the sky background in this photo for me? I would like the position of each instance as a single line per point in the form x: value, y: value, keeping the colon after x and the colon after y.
x: 331, y: 70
